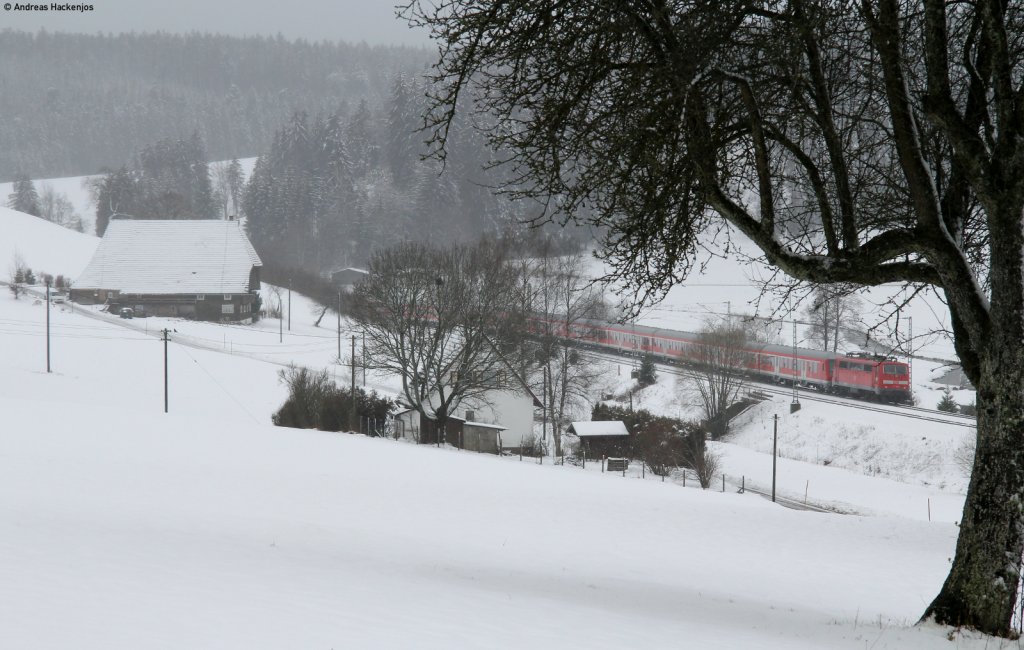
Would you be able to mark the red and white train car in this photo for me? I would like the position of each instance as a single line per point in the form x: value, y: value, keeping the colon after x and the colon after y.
x: 857, y: 374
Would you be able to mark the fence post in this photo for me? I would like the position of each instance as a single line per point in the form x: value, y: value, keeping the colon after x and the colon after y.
x: 723, y: 482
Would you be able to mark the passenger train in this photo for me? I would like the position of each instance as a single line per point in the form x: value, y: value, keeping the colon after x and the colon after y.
x: 858, y: 374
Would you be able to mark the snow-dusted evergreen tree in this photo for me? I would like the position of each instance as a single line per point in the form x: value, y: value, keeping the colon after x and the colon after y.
x: 404, y: 143
x: 118, y: 196
x: 169, y: 179
x: 362, y: 141
x: 24, y: 198
x: 299, y: 193
x: 334, y: 188
x: 235, y: 185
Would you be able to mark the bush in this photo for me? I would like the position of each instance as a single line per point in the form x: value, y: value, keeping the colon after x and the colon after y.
x: 315, y: 402
x: 533, y: 447
x: 963, y: 457
x: 970, y: 409
x: 704, y: 462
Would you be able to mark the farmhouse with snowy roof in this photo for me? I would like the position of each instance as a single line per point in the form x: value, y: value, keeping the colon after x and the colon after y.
x: 206, y: 270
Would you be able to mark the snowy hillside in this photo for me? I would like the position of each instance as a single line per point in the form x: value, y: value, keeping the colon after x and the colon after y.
x: 44, y: 247
x: 122, y: 527
x: 75, y: 188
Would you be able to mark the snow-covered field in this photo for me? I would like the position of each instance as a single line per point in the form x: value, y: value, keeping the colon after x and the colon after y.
x: 124, y: 527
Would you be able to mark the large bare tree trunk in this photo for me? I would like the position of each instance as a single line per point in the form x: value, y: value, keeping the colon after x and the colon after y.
x: 981, y: 587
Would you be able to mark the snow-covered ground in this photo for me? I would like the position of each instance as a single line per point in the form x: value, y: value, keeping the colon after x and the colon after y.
x: 43, y: 246
x: 124, y: 527
x: 75, y: 188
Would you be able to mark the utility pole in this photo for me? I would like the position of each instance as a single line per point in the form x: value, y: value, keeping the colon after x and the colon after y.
x: 280, y: 320
x: 910, y: 356
x: 544, y: 429
x: 166, y: 338
x: 775, y: 447
x: 289, y: 304
x: 352, y: 407
x: 339, y: 325
x: 353, y: 366
x: 47, y: 327
x: 795, y: 406
x: 363, y: 347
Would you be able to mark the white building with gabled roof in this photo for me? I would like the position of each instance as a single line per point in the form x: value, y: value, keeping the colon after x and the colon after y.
x: 201, y: 269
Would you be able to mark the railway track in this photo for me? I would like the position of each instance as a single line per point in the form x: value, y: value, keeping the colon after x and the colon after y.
x: 913, y: 412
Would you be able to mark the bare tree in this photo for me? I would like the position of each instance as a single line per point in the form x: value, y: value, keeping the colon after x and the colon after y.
x: 16, y: 275
x: 867, y: 143
x: 717, y: 373
x: 57, y: 208
x: 227, y: 181
x: 833, y: 314
x: 702, y: 460
x: 563, y: 304
x: 444, y: 320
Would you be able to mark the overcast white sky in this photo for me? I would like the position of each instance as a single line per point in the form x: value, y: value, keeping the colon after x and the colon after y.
x: 372, y: 21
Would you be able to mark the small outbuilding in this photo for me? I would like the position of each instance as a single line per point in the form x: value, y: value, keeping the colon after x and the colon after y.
x: 346, y: 279
x: 602, y: 438
x: 483, y: 437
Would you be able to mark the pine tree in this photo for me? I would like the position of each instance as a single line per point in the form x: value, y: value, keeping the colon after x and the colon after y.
x: 947, y: 403
x: 404, y: 141
x: 24, y: 197
x: 648, y: 374
x: 236, y: 180
x: 118, y: 195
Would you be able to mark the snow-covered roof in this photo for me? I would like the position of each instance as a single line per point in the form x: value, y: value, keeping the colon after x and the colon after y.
x: 599, y: 428
x: 171, y: 257
x: 484, y: 425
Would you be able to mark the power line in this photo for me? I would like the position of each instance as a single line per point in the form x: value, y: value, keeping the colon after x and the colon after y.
x: 219, y: 385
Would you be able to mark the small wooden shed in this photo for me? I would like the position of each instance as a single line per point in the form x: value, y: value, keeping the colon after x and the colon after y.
x: 603, y: 438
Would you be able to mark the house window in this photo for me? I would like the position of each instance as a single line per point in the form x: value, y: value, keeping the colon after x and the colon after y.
x: 227, y: 296
x: 227, y: 309
x: 201, y: 296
